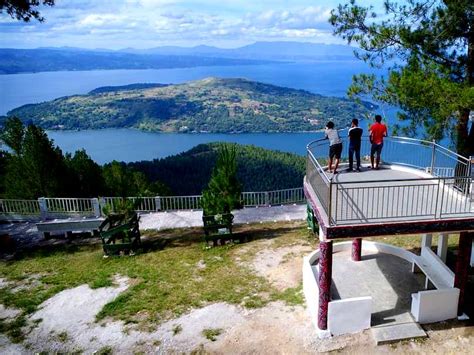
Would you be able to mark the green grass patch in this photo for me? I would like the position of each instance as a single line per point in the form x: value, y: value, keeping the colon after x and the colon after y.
x: 212, y: 333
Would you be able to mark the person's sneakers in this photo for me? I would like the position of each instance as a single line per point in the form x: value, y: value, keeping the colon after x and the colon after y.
x: 349, y: 169
x: 358, y: 170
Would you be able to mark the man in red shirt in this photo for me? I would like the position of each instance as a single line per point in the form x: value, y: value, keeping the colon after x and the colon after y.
x: 377, y: 132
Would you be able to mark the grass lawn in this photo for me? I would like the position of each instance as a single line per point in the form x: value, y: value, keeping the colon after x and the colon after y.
x: 175, y: 273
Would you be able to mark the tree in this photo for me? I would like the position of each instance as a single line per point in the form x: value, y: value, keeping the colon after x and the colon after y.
x: 86, y: 175
x: 24, y: 10
x: 36, y: 167
x: 428, y: 46
x: 222, y: 195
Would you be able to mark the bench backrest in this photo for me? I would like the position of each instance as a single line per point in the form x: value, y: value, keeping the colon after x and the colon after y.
x: 441, y: 268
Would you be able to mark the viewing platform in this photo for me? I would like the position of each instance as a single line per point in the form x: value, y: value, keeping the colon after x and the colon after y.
x: 421, y: 187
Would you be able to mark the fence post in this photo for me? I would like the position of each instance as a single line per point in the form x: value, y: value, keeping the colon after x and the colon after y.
x: 43, y: 208
x: 102, y: 204
x: 471, y: 174
x: 157, y: 203
x: 96, y: 206
x: 433, y: 157
x: 267, y: 198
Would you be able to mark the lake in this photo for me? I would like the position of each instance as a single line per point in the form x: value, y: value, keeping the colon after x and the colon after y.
x: 330, y: 78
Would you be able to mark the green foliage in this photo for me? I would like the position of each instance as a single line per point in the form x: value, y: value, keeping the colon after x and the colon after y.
x: 35, y: 168
x: 209, y: 105
x: 212, y: 333
x: 222, y: 194
x: 429, y: 48
x: 124, y: 206
x: 258, y: 169
x: 86, y: 174
x: 24, y: 10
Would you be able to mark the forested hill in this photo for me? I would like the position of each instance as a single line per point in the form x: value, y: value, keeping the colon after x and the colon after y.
x: 258, y: 169
x: 208, y: 105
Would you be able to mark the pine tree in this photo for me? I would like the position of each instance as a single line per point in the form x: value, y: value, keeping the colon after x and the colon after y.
x: 223, y: 193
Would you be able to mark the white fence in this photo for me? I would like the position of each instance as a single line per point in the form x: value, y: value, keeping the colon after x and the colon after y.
x: 45, y: 208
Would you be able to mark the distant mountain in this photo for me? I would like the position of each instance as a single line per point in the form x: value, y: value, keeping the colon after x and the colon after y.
x: 209, y: 105
x: 260, y: 50
x: 14, y: 61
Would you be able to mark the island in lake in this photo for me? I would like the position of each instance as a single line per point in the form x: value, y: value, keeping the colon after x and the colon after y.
x: 209, y: 105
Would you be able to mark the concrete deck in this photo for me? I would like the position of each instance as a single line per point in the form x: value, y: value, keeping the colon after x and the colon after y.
x: 385, y: 199
x: 386, y: 278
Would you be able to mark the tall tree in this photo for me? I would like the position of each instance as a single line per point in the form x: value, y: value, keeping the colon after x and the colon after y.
x: 222, y: 195
x: 86, y: 175
x: 24, y: 10
x: 428, y: 46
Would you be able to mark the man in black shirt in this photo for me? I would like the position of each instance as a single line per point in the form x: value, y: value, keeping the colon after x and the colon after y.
x: 355, y: 134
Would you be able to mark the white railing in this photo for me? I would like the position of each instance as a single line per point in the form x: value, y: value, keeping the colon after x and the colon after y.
x: 45, y: 208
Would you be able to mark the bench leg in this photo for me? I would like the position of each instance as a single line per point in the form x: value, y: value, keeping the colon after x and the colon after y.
x: 415, y: 269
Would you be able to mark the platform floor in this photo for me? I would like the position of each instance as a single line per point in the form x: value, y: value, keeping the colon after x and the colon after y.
x: 386, y: 278
x: 356, y: 201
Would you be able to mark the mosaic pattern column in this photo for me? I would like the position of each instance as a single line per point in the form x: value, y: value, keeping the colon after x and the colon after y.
x: 462, y: 267
x: 325, y: 278
x: 356, y: 249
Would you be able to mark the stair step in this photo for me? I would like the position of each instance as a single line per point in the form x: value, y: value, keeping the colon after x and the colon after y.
x: 384, y: 334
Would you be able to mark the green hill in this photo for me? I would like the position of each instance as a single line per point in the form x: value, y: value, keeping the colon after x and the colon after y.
x: 209, y: 105
x: 258, y: 169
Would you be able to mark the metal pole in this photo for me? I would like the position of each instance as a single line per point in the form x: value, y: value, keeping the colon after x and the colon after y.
x: 330, y: 202
x: 433, y: 157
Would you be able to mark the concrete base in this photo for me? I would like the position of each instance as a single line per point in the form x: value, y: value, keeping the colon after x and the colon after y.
x: 393, y: 333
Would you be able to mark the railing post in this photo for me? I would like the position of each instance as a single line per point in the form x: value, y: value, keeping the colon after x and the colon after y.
x: 96, y: 206
x: 267, y: 198
x: 471, y: 175
x: 43, y: 208
x: 330, y: 202
x: 102, y: 204
x: 433, y: 157
x: 157, y: 203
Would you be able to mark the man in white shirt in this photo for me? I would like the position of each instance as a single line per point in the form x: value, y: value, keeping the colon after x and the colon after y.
x: 335, y: 146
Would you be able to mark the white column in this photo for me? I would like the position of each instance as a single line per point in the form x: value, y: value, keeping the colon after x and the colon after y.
x: 443, y: 246
x: 43, y: 208
x: 426, y: 240
x: 157, y: 203
x: 96, y: 206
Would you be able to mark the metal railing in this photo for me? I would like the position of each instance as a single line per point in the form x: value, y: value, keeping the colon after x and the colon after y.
x: 442, y: 189
x: 87, y: 207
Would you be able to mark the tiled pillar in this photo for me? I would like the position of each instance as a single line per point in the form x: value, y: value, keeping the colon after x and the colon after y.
x: 462, y: 267
x: 443, y: 246
x: 356, y: 249
x: 325, y: 277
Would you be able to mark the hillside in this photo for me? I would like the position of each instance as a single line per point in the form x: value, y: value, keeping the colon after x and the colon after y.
x: 208, y: 105
x: 258, y: 169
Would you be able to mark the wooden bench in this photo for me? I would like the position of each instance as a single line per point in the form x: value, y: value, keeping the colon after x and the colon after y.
x: 120, y: 234
x: 434, y: 305
x: 68, y: 226
x: 218, y: 227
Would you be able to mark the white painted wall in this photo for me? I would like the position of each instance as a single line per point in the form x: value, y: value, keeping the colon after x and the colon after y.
x: 435, y: 305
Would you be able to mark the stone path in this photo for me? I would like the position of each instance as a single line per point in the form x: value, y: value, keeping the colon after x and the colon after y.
x: 180, y: 219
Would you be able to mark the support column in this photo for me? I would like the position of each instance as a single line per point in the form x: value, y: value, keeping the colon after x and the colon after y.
x: 356, y: 249
x: 426, y: 240
x: 462, y: 267
x: 443, y: 246
x: 325, y: 279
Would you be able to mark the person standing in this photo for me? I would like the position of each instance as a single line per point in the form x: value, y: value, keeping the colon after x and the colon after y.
x: 377, y: 133
x: 335, y: 146
x: 355, y: 135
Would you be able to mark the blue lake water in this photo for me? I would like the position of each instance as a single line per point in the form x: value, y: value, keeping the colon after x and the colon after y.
x: 330, y: 78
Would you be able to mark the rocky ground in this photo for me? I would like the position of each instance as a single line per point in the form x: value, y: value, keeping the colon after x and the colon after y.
x: 67, y: 321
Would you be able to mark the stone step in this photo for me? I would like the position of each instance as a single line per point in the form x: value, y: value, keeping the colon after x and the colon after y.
x: 384, y: 334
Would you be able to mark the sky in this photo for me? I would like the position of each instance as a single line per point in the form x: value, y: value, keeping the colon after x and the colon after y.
x: 115, y: 24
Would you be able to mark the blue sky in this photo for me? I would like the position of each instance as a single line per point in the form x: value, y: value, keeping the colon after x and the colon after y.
x: 149, y: 23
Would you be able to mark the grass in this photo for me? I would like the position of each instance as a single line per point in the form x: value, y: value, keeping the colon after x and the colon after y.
x: 165, y: 280
x: 212, y: 333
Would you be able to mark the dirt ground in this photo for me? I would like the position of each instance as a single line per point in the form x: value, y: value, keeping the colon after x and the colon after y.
x: 66, y: 323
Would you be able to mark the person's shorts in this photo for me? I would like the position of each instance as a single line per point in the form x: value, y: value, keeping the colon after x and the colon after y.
x: 335, y: 151
x: 376, y: 148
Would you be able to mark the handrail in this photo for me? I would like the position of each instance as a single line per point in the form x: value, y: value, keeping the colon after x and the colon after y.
x: 447, y: 169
